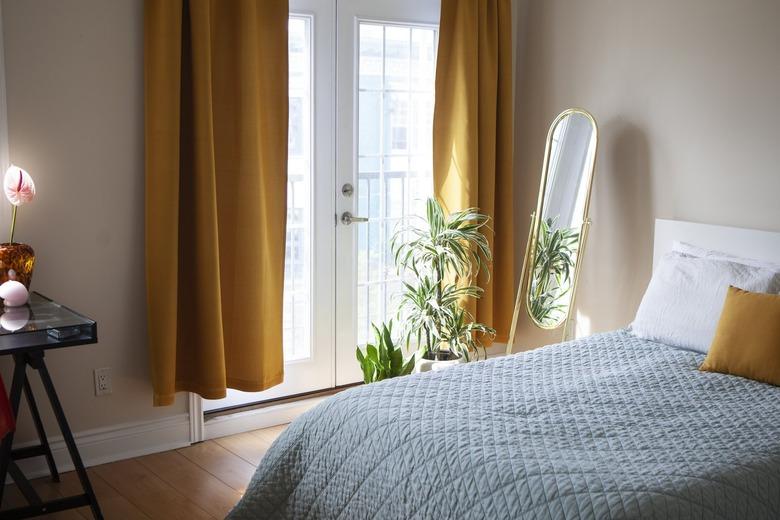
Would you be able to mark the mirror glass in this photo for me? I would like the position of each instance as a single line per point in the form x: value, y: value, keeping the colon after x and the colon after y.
x: 561, y: 212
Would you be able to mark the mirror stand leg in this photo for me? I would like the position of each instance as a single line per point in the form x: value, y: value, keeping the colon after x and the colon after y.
x: 519, y: 300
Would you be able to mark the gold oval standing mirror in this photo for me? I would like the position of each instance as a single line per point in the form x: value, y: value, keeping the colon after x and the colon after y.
x: 559, y: 226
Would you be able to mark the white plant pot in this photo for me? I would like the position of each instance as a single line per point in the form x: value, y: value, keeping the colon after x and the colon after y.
x: 427, y: 365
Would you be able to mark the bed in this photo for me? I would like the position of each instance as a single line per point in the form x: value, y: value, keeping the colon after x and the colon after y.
x: 609, y: 426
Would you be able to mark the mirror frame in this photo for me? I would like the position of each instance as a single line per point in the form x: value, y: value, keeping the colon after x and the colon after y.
x: 536, y: 218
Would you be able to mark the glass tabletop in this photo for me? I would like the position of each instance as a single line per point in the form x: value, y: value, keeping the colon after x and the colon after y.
x: 43, y: 323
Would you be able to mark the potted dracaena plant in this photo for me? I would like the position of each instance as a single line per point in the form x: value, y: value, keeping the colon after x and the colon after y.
x: 438, y: 259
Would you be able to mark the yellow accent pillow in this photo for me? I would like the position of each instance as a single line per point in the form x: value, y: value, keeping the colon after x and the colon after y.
x: 747, y: 340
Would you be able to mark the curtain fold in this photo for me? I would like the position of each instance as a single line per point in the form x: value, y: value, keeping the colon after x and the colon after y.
x: 216, y: 179
x: 473, y: 136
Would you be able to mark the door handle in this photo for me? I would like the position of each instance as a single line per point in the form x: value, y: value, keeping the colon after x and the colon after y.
x: 348, y: 218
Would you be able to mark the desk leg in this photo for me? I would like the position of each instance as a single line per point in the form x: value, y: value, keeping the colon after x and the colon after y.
x: 36, y: 416
x: 20, y: 377
x: 37, y: 362
x: 28, y: 492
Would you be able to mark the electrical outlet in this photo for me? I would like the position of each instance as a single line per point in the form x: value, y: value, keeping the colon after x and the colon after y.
x: 103, y: 381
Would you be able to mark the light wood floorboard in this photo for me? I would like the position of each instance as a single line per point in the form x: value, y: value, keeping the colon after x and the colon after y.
x: 249, y: 447
x: 223, y: 464
x: 202, y: 481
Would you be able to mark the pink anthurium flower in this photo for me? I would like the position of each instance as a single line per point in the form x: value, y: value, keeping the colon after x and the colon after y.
x: 19, y: 189
x: 19, y: 186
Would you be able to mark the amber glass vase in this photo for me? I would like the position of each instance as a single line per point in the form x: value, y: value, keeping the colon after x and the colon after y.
x: 16, y: 263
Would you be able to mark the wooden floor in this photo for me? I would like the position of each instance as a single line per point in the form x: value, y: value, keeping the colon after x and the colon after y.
x: 203, y: 481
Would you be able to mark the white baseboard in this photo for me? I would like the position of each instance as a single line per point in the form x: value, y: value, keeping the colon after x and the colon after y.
x: 255, y: 419
x: 119, y: 442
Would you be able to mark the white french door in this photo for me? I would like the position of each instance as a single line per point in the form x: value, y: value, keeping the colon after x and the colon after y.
x: 384, y: 108
x: 361, y: 111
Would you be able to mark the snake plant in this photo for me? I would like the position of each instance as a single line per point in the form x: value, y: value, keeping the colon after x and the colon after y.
x: 383, y: 359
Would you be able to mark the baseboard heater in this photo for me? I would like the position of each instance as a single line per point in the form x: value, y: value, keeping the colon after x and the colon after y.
x: 276, y: 401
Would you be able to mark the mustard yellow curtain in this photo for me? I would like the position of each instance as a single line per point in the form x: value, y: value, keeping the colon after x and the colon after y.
x: 473, y: 135
x: 216, y: 179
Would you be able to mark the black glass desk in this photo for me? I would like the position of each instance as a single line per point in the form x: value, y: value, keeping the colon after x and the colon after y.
x: 27, y: 333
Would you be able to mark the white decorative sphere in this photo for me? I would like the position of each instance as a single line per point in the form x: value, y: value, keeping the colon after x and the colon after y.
x: 13, y: 293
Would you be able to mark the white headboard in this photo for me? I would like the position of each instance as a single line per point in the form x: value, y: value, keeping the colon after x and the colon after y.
x: 747, y: 243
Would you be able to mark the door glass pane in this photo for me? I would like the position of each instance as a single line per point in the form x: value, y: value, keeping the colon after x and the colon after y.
x: 297, y: 265
x: 396, y: 70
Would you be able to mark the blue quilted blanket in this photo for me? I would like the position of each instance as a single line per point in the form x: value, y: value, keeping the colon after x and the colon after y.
x: 609, y: 426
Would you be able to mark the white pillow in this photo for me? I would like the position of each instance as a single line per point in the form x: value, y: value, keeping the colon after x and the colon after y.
x: 683, y: 301
x: 699, y: 252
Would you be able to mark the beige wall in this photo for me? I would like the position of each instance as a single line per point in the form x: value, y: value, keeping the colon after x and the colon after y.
x: 75, y: 113
x: 687, y: 97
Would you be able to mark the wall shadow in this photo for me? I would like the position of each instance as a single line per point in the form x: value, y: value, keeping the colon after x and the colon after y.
x: 618, y: 260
